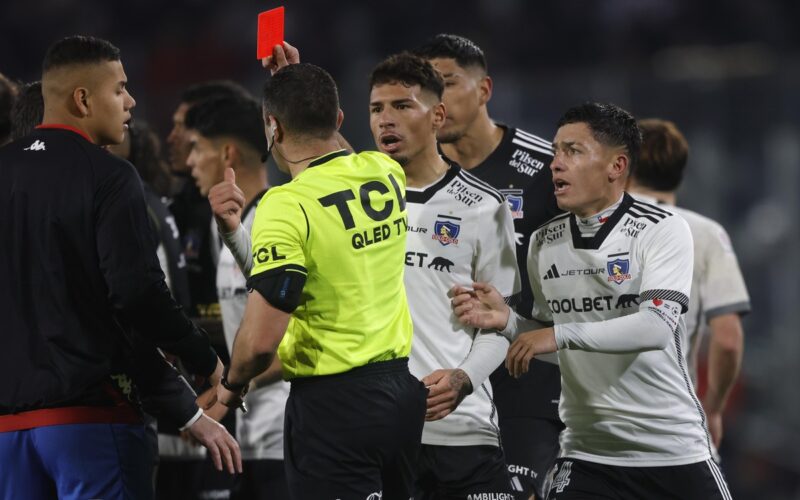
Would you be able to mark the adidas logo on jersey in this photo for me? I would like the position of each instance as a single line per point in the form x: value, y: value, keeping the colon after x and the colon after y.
x: 552, y: 273
x: 36, y: 146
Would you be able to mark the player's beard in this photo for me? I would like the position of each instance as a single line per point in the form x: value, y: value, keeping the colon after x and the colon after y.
x: 449, y: 136
x: 402, y: 160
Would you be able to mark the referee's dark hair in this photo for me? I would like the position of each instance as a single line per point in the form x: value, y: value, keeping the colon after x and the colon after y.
x: 445, y: 46
x: 408, y: 69
x: 663, y: 157
x: 28, y: 110
x: 610, y: 125
x: 78, y: 49
x: 304, y: 99
x: 239, y: 118
x: 211, y: 89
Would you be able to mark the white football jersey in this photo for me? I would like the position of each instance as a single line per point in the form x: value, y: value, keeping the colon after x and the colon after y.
x: 460, y: 230
x: 260, y: 430
x: 617, y: 299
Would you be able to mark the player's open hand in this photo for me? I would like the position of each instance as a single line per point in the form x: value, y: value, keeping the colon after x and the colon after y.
x: 446, y: 390
x: 281, y: 57
x: 527, y: 346
x: 224, y: 450
x: 227, y: 202
x: 481, y: 307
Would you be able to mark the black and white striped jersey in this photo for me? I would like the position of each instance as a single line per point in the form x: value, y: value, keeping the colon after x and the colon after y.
x: 616, y: 292
x: 459, y: 231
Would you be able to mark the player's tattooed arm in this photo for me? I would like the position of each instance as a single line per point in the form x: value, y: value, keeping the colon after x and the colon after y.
x: 447, y: 388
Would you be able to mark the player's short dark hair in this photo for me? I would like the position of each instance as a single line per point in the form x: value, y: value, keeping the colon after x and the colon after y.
x: 28, y: 110
x: 145, y: 155
x: 610, y: 125
x: 464, y: 51
x: 79, y: 50
x: 211, y: 89
x: 239, y: 118
x: 8, y: 94
x: 304, y: 98
x: 409, y: 70
x: 663, y: 156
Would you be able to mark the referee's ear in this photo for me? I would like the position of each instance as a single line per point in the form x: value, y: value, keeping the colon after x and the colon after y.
x: 339, y: 119
x: 81, y: 98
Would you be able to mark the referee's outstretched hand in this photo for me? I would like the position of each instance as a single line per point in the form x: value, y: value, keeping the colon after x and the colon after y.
x: 281, y: 57
x: 220, y: 444
x: 481, y: 307
x: 227, y: 202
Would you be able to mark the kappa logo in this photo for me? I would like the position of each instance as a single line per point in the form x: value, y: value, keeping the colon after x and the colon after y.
x: 446, y: 232
x: 378, y: 495
x: 36, y: 146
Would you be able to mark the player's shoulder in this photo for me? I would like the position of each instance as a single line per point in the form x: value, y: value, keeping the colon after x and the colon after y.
x: 530, y: 142
x: 645, y: 220
x: 707, y: 233
x: 557, y: 220
x: 487, y: 196
x: 647, y: 215
x: 698, y: 222
x: 554, y: 231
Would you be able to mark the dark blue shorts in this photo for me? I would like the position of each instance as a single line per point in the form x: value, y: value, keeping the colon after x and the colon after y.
x: 77, y: 461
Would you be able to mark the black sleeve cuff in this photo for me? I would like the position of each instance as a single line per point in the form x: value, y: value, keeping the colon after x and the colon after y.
x: 282, y: 287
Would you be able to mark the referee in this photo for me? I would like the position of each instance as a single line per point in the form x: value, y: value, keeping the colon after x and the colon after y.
x: 327, y: 281
x: 80, y: 273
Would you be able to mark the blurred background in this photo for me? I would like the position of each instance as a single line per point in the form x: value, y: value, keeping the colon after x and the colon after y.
x: 727, y: 72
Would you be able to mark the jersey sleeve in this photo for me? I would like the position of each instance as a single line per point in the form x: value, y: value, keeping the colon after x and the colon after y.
x: 279, y: 234
x: 496, y: 259
x: 126, y: 249
x: 722, y: 288
x: 666, y: 255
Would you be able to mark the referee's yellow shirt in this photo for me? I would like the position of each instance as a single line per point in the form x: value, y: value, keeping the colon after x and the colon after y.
x: 342, y: 223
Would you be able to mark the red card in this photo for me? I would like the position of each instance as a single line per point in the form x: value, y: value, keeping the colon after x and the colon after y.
x: 270, y: 31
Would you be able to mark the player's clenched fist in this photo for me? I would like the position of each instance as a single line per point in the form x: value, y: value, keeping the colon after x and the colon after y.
x: 227, y: 202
